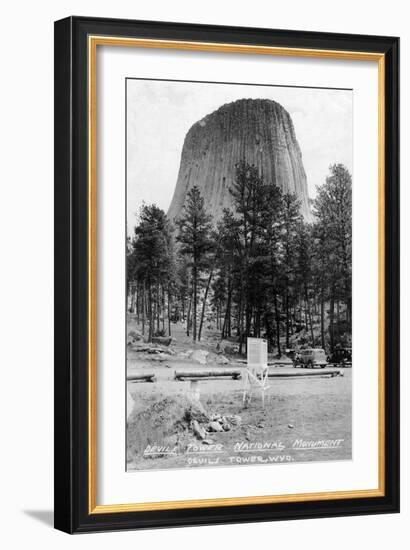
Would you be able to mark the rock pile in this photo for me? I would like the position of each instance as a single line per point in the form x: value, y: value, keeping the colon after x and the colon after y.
x: 226, y: 347
x: 204, y: 357
x: 134, y: 336
x: 174, y: 421
x: 153, y: 352
x: 215, y: 423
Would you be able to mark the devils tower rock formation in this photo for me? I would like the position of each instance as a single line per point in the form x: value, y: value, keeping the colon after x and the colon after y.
x: 261, y: 132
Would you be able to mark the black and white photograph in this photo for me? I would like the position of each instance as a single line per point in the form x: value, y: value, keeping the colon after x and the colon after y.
x: 205, y: 275
x: 239, y: 262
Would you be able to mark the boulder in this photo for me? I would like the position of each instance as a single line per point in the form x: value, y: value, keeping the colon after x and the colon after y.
x: 227, y: 348
x: 200, y: 356
x: 162, y: 340
x: 195, y: 412
x: 141, y: 348
x: 198, y: 430
x: 215, y: 427
x: 134, y: 336
x: 235, y: 420
x: 150, y: 349
x: 186, y: 354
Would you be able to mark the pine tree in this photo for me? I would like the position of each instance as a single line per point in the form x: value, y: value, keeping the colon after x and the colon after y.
x: 152, y: 258
x: 333, y: 210
x: 291, y: 221
x: 195, y: 239
x: 273, y: 240
x: 304, y: 270
x: 246, y: 225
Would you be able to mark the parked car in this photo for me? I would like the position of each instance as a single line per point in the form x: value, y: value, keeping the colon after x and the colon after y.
x: 313, y: 357
x: 341, y: 356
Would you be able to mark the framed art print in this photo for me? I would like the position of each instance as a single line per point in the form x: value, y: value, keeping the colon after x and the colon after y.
x: 226, y: 274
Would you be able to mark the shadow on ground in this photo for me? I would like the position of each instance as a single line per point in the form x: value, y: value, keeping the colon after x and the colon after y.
x: 43, y: 516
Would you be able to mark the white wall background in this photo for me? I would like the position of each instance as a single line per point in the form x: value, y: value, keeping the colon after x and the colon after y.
x: 26, y: 292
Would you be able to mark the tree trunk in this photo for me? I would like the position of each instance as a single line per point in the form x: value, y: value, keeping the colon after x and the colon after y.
x: 349, y: 312
x: 322, y: 321
x: 143, y: 309
x: 157, y: 307
x: 241, y: 336
x: 137, y: 305
x: 338, y: 319
x: 163, y: 308
x: 227, y: 314
x: 292, y: 319
x: 204, y: 304
x: 188, y: 317
x: 310, y: 317
x: 151, y: 314
x: 306, y: 316
x: 331, y: 319
x: 132, y: 307
x: 287, y: 316
x: 277, y: 317
x: 169, y: 313
x: 229, y: 308
x: 195, y: 274
x: 269, y: 333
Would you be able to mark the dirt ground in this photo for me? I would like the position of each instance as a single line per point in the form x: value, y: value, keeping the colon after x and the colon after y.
x: 306, y: 419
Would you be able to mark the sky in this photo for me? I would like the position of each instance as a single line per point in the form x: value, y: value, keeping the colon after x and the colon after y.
x: 160, y: 113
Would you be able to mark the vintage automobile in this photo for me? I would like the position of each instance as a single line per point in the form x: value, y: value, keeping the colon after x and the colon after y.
x: 341, y: 356
x: 312, y: 357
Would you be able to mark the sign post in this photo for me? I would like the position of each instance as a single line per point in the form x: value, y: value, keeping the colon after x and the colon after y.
x: 257, y: 368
